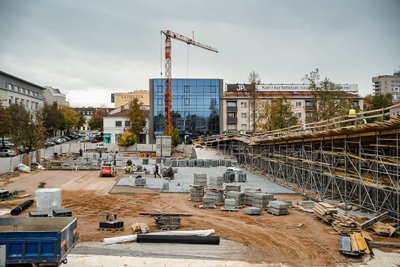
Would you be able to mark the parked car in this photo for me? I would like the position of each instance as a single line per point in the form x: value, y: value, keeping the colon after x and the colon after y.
x: 6, y: 152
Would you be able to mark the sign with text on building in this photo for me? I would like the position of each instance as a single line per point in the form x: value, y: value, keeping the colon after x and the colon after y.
x: 351, y: 88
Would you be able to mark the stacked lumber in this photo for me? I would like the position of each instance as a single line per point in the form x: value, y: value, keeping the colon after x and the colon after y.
x: 344, y: 224
x: 325, y: 211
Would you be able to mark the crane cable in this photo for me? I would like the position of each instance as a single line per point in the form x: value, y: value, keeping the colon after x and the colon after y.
x: 161, y: 54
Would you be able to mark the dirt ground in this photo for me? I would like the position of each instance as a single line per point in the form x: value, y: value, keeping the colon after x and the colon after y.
x: 276, y: 239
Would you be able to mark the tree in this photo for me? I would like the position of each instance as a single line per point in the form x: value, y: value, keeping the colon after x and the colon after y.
x: 136, y: 117
x: 28, y: 130
x: 328, y: 98
x: 254, y: 80
x: 5, y: 120
x: 82, y: 120
x: 127, y: 139
x: 71, y: 118
x: 96, y: 122
x: 175, y: 137
x: 53, y: 118
x: 277, y: 114
x: 378, y: 101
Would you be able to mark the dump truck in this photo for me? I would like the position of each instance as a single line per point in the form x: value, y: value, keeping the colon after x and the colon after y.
x: 37, y: 241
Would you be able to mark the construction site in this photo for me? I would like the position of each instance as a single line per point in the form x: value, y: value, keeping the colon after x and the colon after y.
x: 324, y: 195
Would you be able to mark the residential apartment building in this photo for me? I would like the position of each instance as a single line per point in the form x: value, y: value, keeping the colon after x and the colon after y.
x: 52, y: 95
x: 237, y: 102
x: 195, y: 107
x: 87, y: 115
x: 117, y: 122
x: 120, y: 99
x: 16, y: 90
x: 387, y: 84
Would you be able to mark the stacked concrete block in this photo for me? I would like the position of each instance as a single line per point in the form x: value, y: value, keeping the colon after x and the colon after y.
x: 214, y: 163
x: 191, y: 163
x: 209, y: 202
x: 229, y: 177
x: 165, y: 187
x: 237, y: 196
x: 140, y: 181
x: 248, y: 195
x: 196, y: 193
x: 216, y: 197
x: 158, y: 160
x: 221, y: 162
x: 207, y: 163
x: 261, y: 200
x: 252, y: 211
x: 182, y: 163
x: 199, y: 162
x: 200, y: 179
x: 174, y: 163
x: 233, y: 187
x: 163, y: 146
x: 278, y: 207
x: 145, y: 161
x: 216, y: 182
x: 228, y: 163
x: 230, y: 204
x: 242, y: 178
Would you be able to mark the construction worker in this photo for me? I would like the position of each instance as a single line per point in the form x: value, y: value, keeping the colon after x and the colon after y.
x: 352, y: 112
x: 156, y: 172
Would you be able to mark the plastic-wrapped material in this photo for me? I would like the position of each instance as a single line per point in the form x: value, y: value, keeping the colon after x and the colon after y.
x: 48, y: 199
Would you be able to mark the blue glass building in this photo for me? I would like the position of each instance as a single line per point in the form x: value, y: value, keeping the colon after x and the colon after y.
x: 195, y: 106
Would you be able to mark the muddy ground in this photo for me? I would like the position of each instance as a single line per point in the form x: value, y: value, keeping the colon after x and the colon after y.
x: 274, y: 239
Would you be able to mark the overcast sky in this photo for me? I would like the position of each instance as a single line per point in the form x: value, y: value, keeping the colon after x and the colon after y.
x: 89, y: 49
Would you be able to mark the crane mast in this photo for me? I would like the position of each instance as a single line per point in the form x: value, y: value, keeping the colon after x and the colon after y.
x: 168, y: 94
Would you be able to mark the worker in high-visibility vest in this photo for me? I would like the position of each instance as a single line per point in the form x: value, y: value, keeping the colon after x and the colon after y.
x: 352, y: 112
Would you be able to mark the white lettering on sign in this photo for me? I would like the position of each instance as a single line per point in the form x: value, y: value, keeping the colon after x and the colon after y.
x: 241, y: 87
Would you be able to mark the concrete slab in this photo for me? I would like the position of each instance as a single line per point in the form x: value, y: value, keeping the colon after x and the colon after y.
x: 185, y: 177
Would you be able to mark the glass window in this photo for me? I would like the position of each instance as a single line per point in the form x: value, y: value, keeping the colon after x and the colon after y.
x: 231, y: 103
x: 159, y: 89
x: 15, y: 88
x: 213, y: 89
x: 231, y: 126
x: 9, y: 86
x: 244, y: 126
x: 213, y: 101
x: 299, y: 115
x: 243, y: 115
x: 187, y: 101
x: 298, y: 104
x: 231, y: 115
x: 118, y: 123
x: 127, y: 123
x: 186, y: 89
x: 159, y: 101
x: 243, y: 104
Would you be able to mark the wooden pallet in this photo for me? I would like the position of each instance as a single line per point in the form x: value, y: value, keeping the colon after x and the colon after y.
x: 113, y: 230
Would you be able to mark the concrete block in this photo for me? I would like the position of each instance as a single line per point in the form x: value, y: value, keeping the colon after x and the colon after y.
x: 233, y: 187
x: 252, y: 211
x: 277, y: 211
x: 277, y: 204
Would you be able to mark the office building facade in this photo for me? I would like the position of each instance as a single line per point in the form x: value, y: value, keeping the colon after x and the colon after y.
x: 195, y: 106
x: 16, y: 90
x: 237, y: 102
x: 120, y: 99
x: 387, y: 84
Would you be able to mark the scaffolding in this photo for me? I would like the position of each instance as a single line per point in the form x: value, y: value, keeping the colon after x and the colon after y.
x: 356, y: 165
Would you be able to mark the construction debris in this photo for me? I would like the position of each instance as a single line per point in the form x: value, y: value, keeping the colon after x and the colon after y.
x: 325, y: 211
x: 383, y: 229
x: 140, y: 228
x: 111, y: 223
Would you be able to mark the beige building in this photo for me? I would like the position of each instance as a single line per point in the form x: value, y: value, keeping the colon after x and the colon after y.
x: 237, y: 102
x: 120, y: 99
x: 388, y: 84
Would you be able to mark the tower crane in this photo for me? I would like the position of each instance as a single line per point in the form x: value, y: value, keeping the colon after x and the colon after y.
x: 168, y: 95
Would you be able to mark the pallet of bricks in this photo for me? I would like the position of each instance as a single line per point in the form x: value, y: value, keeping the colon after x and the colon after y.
x: 215, y: 194
x: 254, y: 197
x: 278, y: 207
x: 325, y: 211
x: 197, y: 189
